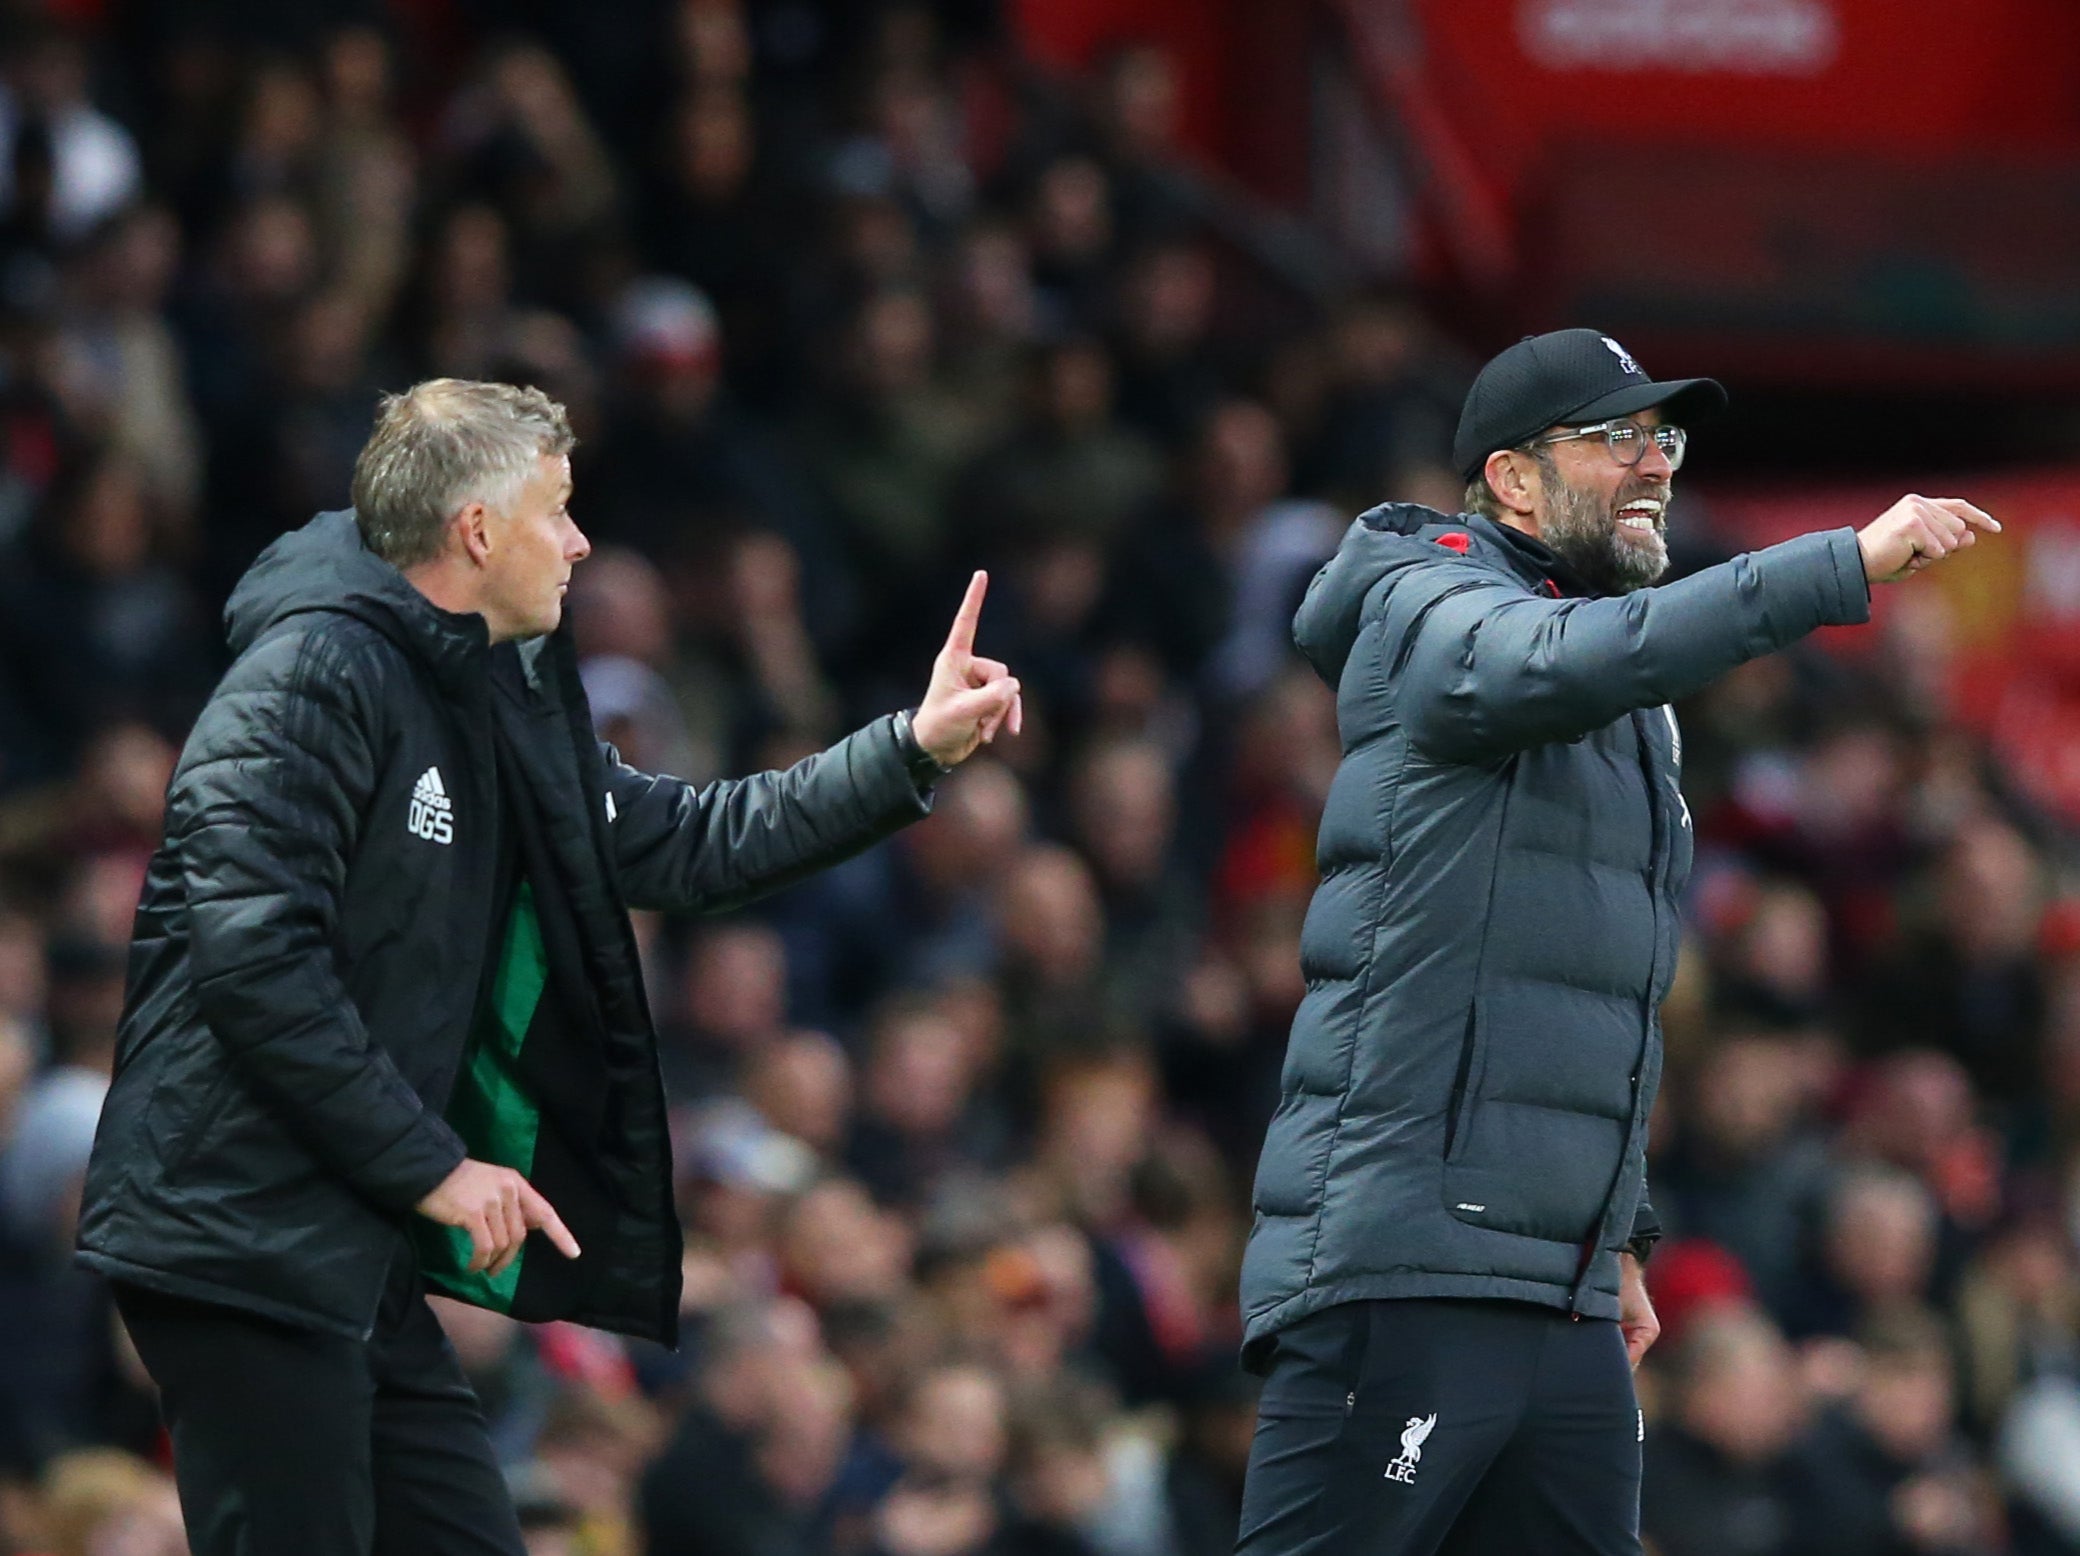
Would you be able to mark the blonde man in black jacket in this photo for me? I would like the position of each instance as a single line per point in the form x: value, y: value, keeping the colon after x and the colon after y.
x: 385, y: 1030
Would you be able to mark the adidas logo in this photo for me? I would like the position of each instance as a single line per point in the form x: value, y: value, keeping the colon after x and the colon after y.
x: 433, y: 813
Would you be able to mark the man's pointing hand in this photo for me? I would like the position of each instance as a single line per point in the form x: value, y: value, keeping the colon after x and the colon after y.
x: 1917, y: 532
x: 969, y: 698
x: 498, y: 1208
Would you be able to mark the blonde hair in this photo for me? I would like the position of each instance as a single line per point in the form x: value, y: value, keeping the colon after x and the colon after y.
x: 442, y: 444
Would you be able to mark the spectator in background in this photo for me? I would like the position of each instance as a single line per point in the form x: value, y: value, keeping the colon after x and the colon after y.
x: 107, y: 627
x: 837, y: 1247
x: 1123, y: 818
x: 715, y: 217
x: 1051, y: 926
x: 1749, y: 1172
x: 1136, y: 117
x: 801, y: 1084
x: 682, y: 465
x: 736, y: 1478
x: 1774, y: 961
x: 1170, y: 376
x: 24, y: 980
x: 919, y: 1119
x: 1876, y: 1253
x: 1051, y: 501
x: 935, y: 1486
x: 1716, y: 1479
x: 93, y: 168
x: 1390, y: 402
x: 517, y: 137
x: 888, y: 442
x: 54, y: 1391
x: 1069, y: 224
x: 634, y: 678
x: 1917, y: 1111
x: 917, y: 916
x: 130, y: 366
x: 1886, y: 1472
x: 1068, y: 471
x: 907, y: 149
x: 505, y: 1371
x: 734, y: 1002
x: 466, y: 306
x: 734, y: 1172
x: 990, y: 318
x: 364, y: 172
x: 1967, y: 983
x: 1180, y: 580
x: 592, y: 1449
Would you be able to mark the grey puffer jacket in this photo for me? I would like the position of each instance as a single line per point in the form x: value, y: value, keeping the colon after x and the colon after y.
x: 1465, y: 1096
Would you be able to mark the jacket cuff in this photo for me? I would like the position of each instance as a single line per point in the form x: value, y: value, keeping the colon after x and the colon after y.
x: 1646, y: 1232
x: 1852, y: 583
x: 413, y: 1166
x: 925, y: 769
x: 890, y: 792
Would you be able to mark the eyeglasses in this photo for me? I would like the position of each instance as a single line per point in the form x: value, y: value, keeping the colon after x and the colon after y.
x: 1627, y: 440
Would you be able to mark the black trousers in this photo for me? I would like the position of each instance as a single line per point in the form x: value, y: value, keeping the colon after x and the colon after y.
x: 1407, y: 1428
x: 287, y: 1442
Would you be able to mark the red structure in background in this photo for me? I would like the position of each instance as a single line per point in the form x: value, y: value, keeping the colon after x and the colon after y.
x: 1513, y: 83
x: 1848, y: 191
x: 1874, y: 192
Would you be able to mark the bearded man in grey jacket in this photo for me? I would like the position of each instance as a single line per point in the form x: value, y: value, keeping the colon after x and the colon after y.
x: 1443, y: 1284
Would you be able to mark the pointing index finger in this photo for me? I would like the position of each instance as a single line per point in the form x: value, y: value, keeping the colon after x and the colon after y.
x: 542, y: 1214
x: 962, y: 638
x: 1978, y: 518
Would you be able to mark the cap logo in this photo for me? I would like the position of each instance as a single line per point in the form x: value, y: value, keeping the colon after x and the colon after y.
x: 1624, y: 357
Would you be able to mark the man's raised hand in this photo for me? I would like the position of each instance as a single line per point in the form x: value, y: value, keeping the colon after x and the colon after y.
x: 497, y: 1207
x: 1917, y: 532
x: 969, y: 698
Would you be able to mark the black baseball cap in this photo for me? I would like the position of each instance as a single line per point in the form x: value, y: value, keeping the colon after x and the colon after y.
x: 1566, y: 378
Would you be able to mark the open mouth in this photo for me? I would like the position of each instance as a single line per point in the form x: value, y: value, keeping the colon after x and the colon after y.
x: 1643, y: 515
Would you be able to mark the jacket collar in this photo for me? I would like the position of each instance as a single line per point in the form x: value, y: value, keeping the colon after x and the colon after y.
x: 1529, y: 559
x: 325, y: 567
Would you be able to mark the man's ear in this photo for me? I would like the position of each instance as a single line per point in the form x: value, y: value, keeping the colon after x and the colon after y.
x: 473, y: 526
x: 1514, y: 479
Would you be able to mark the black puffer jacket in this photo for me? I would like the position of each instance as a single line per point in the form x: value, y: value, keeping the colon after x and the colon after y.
x: 1464, y: 1103
x: 312, y: 940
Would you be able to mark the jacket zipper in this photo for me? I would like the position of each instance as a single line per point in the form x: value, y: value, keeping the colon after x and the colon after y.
x: 1659, y: 856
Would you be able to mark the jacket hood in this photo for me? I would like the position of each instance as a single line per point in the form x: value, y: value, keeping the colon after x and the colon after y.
x: 325, y: 567
x: 1378, y: 542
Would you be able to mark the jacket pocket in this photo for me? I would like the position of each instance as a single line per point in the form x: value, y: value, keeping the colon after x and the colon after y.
x: 1534, y: 1170
x: 1466, y: 1085
x: 187, y: 1136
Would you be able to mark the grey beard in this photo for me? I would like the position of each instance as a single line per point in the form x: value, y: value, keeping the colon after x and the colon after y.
x: 1579, y: 530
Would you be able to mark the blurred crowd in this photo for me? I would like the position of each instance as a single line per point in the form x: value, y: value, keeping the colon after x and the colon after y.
x: 847, y: 300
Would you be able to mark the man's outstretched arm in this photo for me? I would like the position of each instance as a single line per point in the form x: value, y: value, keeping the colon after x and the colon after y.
x: 714, y: 847
x: 1489, y: 671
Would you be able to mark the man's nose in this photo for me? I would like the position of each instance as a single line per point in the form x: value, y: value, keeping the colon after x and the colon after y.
x: 1655, y: 462
x: 577, y: 548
